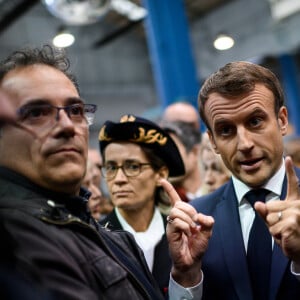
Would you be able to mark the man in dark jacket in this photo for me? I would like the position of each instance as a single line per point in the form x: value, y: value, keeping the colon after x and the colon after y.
x: 53, y: 240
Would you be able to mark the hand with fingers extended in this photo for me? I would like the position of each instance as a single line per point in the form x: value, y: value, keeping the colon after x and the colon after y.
x: 188, y: 234
x: 283, y: 217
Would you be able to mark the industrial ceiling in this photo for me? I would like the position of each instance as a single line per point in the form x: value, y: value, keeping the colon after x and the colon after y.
x: 112, y: 59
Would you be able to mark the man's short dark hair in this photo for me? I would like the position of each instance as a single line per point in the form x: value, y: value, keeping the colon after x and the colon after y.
x: 45, y: 55
x: 239, y: 78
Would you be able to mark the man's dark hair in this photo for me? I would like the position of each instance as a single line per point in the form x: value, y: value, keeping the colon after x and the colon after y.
x: 45, y: 55
x: 239, y: 78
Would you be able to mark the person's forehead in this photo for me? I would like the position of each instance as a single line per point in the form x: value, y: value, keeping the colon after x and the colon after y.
x: 182, y: 112
x: 123, y: 150
x: 37, y: 82
x: 35, y: 71
x: 219, y: 107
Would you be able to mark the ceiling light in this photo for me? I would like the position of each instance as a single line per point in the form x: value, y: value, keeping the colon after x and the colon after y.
x: 129, y: 9
x: 223, y: 42
x: 63, y: 39
x: 78, y: 12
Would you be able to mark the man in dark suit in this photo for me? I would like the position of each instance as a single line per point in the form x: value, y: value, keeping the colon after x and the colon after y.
x: 242, y: 105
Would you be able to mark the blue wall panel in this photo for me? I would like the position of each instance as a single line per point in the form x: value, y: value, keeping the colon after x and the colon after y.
x: 170, y: 51
x: 290, y: 81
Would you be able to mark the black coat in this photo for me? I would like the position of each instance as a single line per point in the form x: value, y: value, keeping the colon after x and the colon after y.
x: 58, y: 246
x: 162, y: 261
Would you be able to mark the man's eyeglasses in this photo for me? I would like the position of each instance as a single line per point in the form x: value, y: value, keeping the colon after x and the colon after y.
x: 43, y: 113
x: 129, y: 168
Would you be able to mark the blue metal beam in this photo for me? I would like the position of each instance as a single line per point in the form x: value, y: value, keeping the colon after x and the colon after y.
x: 290, y: 82
x: 170, y: 51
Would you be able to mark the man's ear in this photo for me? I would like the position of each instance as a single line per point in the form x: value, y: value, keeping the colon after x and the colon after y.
x: 283, y: 120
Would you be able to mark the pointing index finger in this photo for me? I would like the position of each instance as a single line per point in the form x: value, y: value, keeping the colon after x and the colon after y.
x: 292, y: 180
x: 168, y: 187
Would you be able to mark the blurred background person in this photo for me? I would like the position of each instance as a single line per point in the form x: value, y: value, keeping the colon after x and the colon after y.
x: 96, y: 199
x: 188, y: 141
x: 136, y: 154
x: 292, y: 148
x: 95, y: 157
x: 214, y: 171
x: 182, y: 111
x: 94, y: 170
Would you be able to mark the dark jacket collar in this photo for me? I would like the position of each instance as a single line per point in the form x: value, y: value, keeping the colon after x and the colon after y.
x: 77, y: 205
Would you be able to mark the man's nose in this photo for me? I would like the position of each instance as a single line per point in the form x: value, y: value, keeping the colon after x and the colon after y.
x: 244, y: 139
x: 120, y: 175
x: 63, y: 126
x: 62, y: 116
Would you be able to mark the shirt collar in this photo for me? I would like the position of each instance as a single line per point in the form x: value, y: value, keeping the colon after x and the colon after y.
x: 156, y: 225
x: 274, y: 184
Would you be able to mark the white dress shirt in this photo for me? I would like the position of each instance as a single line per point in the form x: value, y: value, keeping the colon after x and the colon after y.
x: 247, y: 214
x: 148, y: 239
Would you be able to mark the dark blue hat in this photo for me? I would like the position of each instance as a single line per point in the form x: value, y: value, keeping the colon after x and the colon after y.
x: 137, y: 130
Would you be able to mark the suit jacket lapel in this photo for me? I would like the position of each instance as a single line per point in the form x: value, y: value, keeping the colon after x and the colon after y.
x: 232, y: 243
x: 279, y: 265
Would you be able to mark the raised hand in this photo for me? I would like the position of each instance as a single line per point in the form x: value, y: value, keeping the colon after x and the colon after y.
x: 188, y: 234
x: 283, y: 217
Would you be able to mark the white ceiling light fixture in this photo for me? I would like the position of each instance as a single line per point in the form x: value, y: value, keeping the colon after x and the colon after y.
x: 63, y: 39
x: 281, y: 9
x: 223, y: 42
x: 78, y: 12
x: 129, y: 9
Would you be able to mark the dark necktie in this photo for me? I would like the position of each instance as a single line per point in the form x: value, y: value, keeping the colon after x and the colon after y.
x: 259, y: 253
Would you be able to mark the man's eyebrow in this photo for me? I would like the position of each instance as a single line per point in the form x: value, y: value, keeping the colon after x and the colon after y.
x: 221, y: 122
x: 257, y: 110
x: 36, y: 102
x: 74, y: 100
x: 39, y: 101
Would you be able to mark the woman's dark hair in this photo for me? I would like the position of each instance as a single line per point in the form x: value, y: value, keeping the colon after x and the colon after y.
x: 156, y: 163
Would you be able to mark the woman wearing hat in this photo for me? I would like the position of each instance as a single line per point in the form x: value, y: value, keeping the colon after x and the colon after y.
x: 136, y: 154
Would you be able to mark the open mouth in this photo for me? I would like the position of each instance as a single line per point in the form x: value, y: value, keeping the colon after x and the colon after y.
x: 251, y: 164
